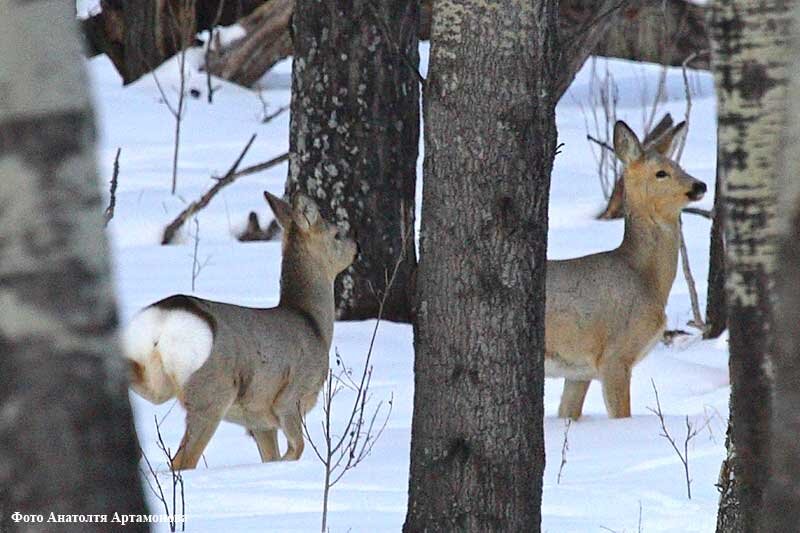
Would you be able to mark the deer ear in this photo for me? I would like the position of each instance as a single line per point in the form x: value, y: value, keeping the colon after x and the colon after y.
x: 669, y: 142
x: 305, y: 212
x: 281, y: 209
x: 626, y: 144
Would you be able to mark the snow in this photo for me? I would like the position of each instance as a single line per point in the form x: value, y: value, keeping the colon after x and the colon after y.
x: 618, y: 473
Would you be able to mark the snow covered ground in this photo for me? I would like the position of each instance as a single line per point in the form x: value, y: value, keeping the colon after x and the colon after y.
x: 619, y: 475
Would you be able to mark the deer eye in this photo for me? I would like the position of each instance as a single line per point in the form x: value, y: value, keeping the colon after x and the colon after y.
x: 661, y: 174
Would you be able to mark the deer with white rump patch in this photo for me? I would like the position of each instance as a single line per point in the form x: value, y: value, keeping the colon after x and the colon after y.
x: 605, y: 311
x: 259, y: 368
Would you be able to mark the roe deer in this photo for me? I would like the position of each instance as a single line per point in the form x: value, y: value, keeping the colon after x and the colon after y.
x: 606, y: 310
x: 259, y: 368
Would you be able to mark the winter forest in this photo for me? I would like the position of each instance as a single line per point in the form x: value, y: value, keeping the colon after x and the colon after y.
x: 400, y: 265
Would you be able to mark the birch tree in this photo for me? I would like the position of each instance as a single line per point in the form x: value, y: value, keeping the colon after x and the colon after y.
x: 477, y: 449
x: 782, y: 502
x: 66, y: 431
x: 750, y: 67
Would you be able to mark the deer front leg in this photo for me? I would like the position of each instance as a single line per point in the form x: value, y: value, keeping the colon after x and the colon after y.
x: 616, y: 377
x: 572, y: 399
x: 267, y: 442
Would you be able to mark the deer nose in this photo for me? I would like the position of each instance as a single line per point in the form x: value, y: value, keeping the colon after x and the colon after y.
x: 698, y: 190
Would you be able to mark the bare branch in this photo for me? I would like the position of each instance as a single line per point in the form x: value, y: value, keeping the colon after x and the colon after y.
x: 112, y: 202
x: 229, y: 177
x: 691, y: 432
x: 700, y: 212
x: 602, y: 144
x: 564, y: 450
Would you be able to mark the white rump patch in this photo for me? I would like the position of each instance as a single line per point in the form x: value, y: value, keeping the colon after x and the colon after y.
x: 182, y: 339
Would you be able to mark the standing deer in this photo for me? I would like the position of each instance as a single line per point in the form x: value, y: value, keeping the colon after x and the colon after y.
x: 605, y: 311
x: 259, y: 368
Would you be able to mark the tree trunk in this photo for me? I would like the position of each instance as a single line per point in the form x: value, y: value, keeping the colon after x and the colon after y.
x: 716, y: 302
x: 477, y: 449
x: 750, y: 67
x: 660, y: 32
x: 66, y: 431
x: 139, y: 35
x: 354, y: 138
x: 782, y: 509
x: 266, y: 42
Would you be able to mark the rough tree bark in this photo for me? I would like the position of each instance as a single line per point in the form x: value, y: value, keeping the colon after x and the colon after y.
x: 477, y: 448
x: 782, y: 502
x: 750, y: 67
x: 67, y: 441
x: 716, y: 300
x: 354, y: 138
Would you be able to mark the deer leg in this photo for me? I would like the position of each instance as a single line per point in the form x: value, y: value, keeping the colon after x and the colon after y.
x: 616, y: 377
x: 200, y: 427
x: 267, y: 441
x: 572, y: 398
x: 292, y: 426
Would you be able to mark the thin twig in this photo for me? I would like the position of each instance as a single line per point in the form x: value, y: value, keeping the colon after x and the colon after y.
x: 707, y: 213
x: 600, y: 143
x: 112, y: 202
x: 209, y: 88
x: 691, y: 432
x: 269, y: 117
x: 564, y: 450
x: 229, y: 177
x: 697, y: 321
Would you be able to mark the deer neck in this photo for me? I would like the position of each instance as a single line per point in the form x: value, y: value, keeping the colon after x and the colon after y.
x: 651, y: 246
x: 307, y: 289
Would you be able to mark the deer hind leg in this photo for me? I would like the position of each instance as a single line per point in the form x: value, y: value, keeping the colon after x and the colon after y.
x: 616, y: 377
x: 267, y: 442
x: 287, y: 409
x: 201, y: 423
x: 292, y: 426
x: 572, y: 398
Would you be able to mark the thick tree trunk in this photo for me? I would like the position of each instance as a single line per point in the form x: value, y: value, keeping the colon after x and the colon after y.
x: 477, y: 449
x: 354, y: 138
x: 67, y: 440
x: 782, y: 502
x: 750, y: 66
x: 716, y: 301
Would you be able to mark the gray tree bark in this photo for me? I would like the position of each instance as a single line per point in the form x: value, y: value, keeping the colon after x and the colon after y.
x: 782, y: 502
x: 477, y: 449
x: 354, y: 138
x: 716, y: 300
x: 751, y: 70
x: 66, y: 431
